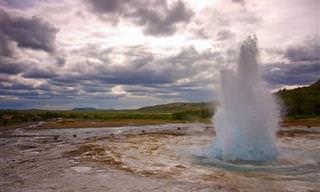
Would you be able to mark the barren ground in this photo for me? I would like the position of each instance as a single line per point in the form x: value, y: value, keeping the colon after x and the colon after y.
x: 146, y: 158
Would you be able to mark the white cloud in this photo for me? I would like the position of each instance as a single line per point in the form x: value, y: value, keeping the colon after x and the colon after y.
x: 118, y: 90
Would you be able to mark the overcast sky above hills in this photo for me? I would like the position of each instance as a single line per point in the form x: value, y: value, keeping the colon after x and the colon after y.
x: 60, y: 54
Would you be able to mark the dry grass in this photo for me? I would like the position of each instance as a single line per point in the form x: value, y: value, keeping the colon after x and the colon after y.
x: 79, y: 123
x: 301, y: 122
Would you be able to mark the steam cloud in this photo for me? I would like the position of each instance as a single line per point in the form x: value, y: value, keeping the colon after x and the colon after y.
x: 247, y: 118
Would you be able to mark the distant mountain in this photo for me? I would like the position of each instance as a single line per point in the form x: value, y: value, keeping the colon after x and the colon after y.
x: 302, y: 101
x: 84, y: 109
x: 178, y: 107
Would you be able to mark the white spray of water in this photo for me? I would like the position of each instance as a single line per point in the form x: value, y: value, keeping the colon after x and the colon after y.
x: 247, y: 117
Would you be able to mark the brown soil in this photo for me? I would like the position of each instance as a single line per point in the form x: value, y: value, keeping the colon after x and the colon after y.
x: 79, y: 123
x: 301, y: 122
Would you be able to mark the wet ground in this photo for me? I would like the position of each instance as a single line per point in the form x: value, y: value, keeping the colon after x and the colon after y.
x: 149, y: 158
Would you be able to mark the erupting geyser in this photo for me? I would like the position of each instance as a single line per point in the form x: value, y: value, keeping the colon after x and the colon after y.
x: 247, y: 117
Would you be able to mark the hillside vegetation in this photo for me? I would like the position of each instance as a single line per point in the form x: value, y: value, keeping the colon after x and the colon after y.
x: 178, y: 107
x: 301, y: 102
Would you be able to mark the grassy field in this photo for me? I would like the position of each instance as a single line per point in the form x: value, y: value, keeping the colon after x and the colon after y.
x: 105, y: 118
x: 169, y: 113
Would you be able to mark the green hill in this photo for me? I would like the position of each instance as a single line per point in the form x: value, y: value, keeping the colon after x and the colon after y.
x: 83, y: 109
x: 302, y: 101
x: 178, y: 107
x: 184, y: 111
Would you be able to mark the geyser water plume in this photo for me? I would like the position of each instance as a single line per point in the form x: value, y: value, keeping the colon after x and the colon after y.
x: 247, y: 117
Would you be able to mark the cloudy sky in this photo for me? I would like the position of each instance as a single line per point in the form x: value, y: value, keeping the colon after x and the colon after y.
x: 60, y: 54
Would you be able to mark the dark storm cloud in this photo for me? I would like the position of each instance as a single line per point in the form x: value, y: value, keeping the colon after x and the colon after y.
x: 242, y: 2
x: 60, y: 60
x: 29, y: 91
x: 15, y: 88
x: 155, y: 24
x: 33, y: 33
x: 19, y: 4
x: 310, y: 51
x: 156, y: 76
x: 155, y: 16
x: 224, y: 35
x: 153, y: 75
x: 110, y: 6
x: 119, y: 75
x: 10, y: 66
x: 201, y: 33
x: 303, y: 67
x: 137, y: 77
x: 39, y: 73
x: 293, y: 73
x: 29, y: 94
x: 5, y: 49
x: 149, y: 70
x: 188, y: 92
x: 16, y: 33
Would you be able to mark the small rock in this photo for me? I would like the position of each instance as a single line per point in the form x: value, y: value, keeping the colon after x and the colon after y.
x: 180, y: 166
